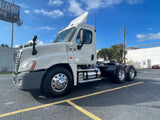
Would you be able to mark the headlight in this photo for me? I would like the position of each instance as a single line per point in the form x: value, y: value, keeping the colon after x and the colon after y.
x: 27, y: 65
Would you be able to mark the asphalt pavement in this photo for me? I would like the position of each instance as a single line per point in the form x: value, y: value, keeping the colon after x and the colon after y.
x: 101, y: 100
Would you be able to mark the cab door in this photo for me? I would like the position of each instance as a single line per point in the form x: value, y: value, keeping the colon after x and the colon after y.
x: 85, y: 51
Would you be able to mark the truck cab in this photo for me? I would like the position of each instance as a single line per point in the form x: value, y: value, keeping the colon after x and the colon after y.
x: 56, y: 67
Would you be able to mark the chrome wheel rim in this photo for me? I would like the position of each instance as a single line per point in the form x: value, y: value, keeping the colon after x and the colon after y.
x: 121, y: 75
x: 131, y: 73
x: 59, y: 82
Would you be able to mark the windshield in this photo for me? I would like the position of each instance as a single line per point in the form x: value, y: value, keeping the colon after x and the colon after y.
x: 65, y: 36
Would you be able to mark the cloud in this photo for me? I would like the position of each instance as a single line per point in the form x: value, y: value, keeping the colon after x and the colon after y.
x: 75, y: 7
x: 150, y: 36
x: 53, y: 13
x: 55, y: 2
x: 78, y: 7
x: 27, y: 11
x: 150, y: 28
x: 23, y: 5
x: 30, y: 41
x: 39, y: 42
x: 135, y: 1
x: 95, y: 4
x: 17, y: 46
x: 46, y: 28
x: 113, y: 2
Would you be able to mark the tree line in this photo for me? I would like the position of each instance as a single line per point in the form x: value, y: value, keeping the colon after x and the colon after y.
x: 115, y: 52
x: 20, y: 46
x: 26, y: 45
x: 4, y: 45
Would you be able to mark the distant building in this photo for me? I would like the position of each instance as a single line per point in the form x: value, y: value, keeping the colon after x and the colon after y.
x: 143, y: 57
x: 6, y: 59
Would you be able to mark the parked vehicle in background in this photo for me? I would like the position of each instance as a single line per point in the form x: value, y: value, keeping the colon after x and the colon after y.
x: 156, y: 67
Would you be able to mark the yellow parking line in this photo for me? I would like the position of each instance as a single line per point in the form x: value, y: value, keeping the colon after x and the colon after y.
x: 31, y: 108
x: 100, y: 92
x: 83, y: 111
x: 62, y: 101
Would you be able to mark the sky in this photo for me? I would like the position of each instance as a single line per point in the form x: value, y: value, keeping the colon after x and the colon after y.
x: 45, y: 18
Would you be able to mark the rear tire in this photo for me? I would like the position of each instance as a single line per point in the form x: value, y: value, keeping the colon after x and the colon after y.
x: 130, y: 73
x: 120, y: 75
x: 57, y: 82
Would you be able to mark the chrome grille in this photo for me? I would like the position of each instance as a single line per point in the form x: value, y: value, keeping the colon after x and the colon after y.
x: 16, y: 61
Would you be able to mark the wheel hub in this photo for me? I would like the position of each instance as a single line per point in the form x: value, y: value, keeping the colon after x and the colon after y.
x: 59, y: 82
x: 132, y: 73
x: 121, y: 75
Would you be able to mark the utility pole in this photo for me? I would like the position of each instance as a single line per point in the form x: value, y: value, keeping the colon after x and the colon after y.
x: 95, y: 19
x: 12, y: 31
x: 124, y: 46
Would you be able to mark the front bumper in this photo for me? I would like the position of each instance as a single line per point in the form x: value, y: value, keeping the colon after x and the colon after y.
x: 28, y: 80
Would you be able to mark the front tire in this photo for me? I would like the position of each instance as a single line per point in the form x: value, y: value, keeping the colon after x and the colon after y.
x: 57, y: 82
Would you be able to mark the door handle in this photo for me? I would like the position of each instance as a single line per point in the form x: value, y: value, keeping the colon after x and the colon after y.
x: 92, y: 57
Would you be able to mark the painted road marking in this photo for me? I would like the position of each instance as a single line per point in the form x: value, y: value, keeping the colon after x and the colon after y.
x: 9, y: 103
x: 83, y: 111
x: 31, y: 108
x: 104, y: 91
x: 62, y: 101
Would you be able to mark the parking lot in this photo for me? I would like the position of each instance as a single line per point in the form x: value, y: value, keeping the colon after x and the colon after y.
x: 101, y: 100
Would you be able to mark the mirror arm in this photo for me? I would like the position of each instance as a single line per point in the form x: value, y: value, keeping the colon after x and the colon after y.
x: 80, y: 46
x: 34, y: 52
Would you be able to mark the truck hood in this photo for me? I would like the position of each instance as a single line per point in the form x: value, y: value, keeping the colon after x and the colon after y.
x: 44, y: 51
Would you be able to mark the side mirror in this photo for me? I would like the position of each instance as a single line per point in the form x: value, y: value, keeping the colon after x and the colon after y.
x: 82, y: 36
x: 81, y: 39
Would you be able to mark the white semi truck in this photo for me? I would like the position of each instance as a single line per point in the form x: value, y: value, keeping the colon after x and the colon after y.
x: 68, y: 61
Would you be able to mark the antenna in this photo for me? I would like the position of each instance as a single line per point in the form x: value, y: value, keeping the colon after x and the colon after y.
x: 95, y: 19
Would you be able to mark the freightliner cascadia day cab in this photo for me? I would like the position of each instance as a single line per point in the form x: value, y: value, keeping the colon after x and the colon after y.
x: 68, y: 61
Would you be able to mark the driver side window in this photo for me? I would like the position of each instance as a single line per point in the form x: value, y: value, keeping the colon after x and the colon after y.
x: 87, y: 37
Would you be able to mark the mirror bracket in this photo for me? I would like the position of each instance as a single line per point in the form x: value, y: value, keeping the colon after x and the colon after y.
x: 34, y: 52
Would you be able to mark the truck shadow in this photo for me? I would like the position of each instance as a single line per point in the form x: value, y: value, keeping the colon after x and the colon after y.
x: 81, y: 89
x: 146, y: 92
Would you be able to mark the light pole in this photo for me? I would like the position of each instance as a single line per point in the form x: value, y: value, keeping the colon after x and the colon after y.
x: 12, y: 31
